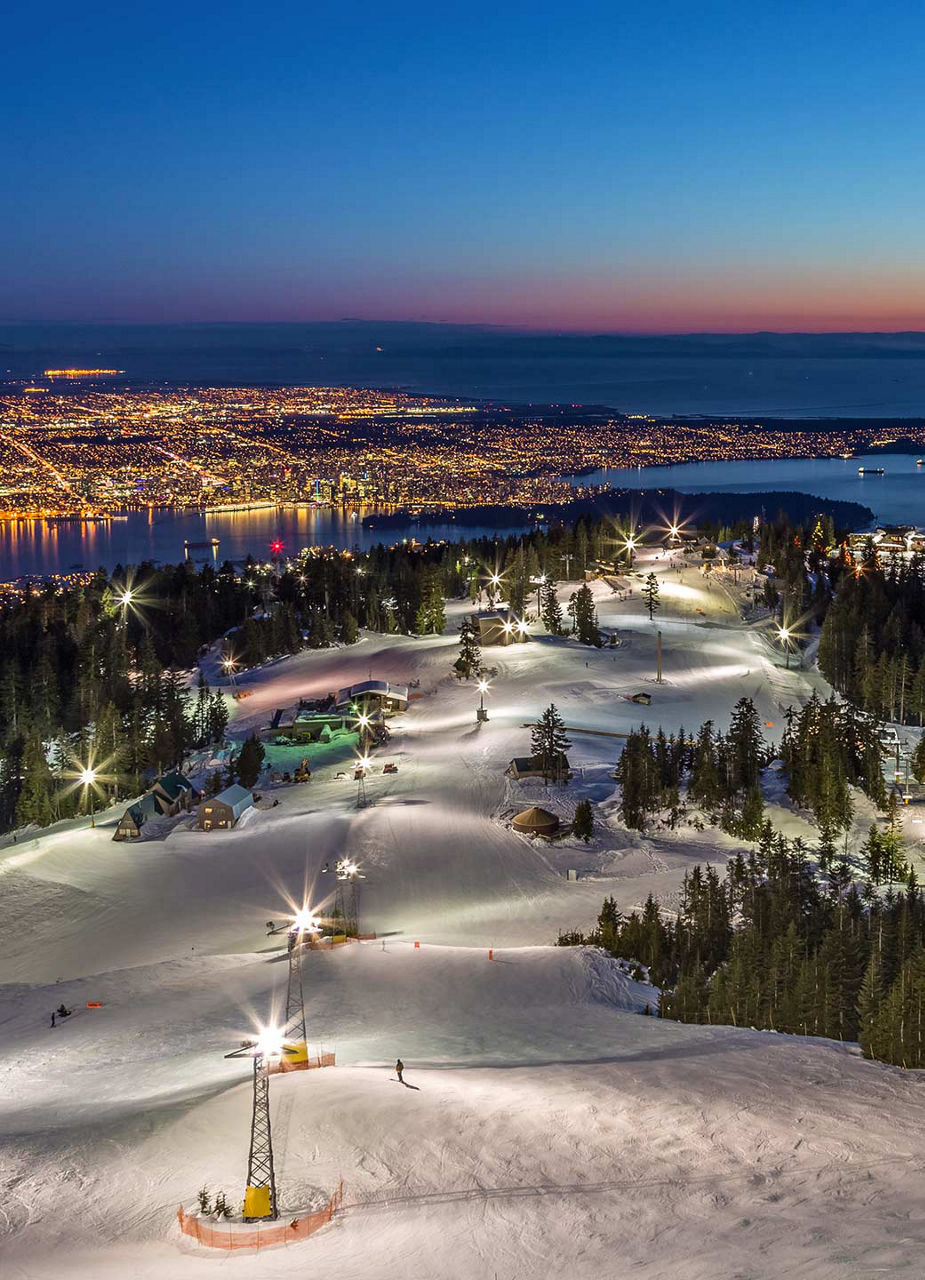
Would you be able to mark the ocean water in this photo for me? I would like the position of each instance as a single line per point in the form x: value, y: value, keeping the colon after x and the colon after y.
x: 30, y: 547
x: 800, y: 375
x: 40, y: 547
x: 896, y: 497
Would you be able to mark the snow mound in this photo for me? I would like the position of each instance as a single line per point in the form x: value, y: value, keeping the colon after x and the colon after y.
x: 611, y: 985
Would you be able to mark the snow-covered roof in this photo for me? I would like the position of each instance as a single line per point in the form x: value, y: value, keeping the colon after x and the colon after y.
x: 236, y: 797
x: 142, y: 809
x: 373, y: 688
x: 536, y: 819
x: 174, y: 784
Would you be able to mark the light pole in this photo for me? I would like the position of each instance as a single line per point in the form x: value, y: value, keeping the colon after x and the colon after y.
x: 124, y: 600
x: 363, y: 723
x: 346, y: 871
x: 88, y: 779
x: 359, y: 774
x: 229, y: 666
x: 349, y: 873
x: 783, y: 634
x: 481, y: 714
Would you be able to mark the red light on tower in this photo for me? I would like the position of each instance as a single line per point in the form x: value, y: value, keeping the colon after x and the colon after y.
x: 276, y: 547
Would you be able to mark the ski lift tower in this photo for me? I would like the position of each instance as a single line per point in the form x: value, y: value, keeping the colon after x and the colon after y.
x: 346, y: 872
x: 359, y: 773
x: 349, y: 873
x: 260, y: 1203
x: 303, y: 924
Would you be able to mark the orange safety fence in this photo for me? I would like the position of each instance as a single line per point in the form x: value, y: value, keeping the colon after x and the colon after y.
x: 257, y: 1235
x: 326, y: 944
x: 310, y: 1064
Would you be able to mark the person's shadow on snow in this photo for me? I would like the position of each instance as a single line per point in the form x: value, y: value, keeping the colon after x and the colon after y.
x: 411, y: 1086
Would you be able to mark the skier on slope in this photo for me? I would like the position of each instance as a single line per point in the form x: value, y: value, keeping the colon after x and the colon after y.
x: 399, y: 1068
x: 52, y: 1017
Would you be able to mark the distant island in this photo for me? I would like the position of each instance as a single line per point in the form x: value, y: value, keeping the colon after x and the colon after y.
x: 645, y: 506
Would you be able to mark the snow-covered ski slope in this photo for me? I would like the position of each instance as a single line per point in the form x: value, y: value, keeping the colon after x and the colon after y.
x: 552, y: 1129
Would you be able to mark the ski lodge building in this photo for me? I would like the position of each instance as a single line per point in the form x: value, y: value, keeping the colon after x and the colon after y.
x: 892, y: 543
x: 372, y: 695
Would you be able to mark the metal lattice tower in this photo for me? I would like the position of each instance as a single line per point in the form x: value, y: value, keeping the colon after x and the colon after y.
x: 260, y: 1193
x: 295, y: 1003
x: 340, y: 908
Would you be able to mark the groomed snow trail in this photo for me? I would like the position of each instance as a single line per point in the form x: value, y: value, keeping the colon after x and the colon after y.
x: 552, y: 1129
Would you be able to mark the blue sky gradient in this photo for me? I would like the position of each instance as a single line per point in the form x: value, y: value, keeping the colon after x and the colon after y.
x: 623, y: 166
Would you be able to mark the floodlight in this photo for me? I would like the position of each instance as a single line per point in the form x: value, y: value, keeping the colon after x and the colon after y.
x: 305, y: 921
x: 270, y: 1042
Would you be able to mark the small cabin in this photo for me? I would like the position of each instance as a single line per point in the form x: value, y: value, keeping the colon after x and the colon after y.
x: 532, y: 767
x: 223, y: 811
x: 496, y: 626
x: 135, y: 817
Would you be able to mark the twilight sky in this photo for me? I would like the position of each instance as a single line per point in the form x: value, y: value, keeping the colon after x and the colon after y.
x: 636, y: 165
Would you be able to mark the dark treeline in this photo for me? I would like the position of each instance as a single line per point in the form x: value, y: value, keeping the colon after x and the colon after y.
x: 827, y: 748
x: 87, y: 679
x: 87, y: 676
x: 91, y: 676
x: 872, y: 645
x: 709, y: 512
x: 767, y: 945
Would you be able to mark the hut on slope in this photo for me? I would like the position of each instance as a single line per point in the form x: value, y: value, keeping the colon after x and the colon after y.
x: 536, y: 822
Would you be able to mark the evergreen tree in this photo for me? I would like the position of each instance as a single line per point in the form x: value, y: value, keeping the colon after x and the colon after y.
x: 870, y: 1004
x: 584, y: 615
x: 218, y: 717
x: 583, y: 824
x: 469, y: 662
x: 35, y: 797
x: 650, y: 594
x: 250, y: 761
x: 551, y: 610
x: 549, y: 744
x: 349, y: 630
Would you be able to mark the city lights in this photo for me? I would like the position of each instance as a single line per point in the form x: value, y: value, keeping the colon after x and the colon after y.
x: 228, y: 449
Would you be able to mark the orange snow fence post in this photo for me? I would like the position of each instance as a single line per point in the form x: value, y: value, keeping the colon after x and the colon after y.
x: 491, y: 953
x: 94, y: 1004
x: 416, y: 946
